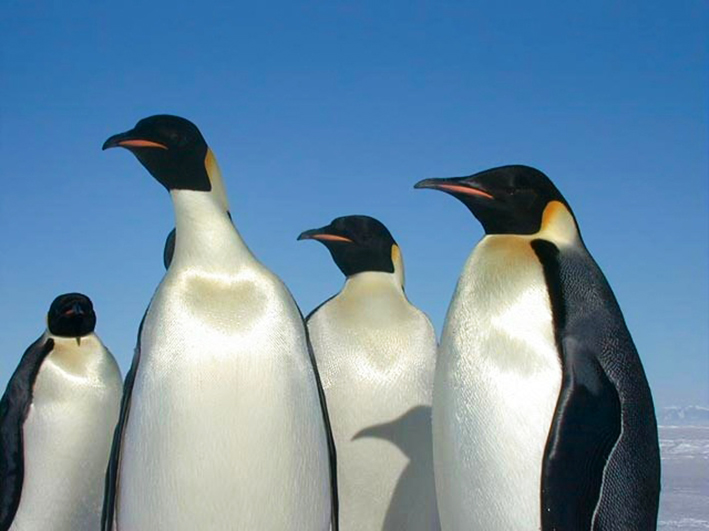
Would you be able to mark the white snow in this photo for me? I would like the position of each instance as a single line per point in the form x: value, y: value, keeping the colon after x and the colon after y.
x: 684, y: 502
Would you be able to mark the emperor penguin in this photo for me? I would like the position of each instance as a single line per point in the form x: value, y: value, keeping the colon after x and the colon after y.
x: 376, y: 353
x: 56, y: 425
x: 542, y: 415
x: 223, y: 423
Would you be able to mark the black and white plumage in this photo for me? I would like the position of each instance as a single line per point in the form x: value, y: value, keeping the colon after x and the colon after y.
x: 542, y: 415
x: 223, y: 425
x: 56, y: 423
x: 376, y: 353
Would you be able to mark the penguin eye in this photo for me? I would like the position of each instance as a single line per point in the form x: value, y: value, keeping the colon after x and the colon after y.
x: 173, y: 138
x: 508, y: 192
x: 521, y: 190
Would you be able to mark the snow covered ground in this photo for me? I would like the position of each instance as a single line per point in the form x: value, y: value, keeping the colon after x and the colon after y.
x: 684, y: 502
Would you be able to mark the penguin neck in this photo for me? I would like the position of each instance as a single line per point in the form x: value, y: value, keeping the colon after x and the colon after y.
x: 558, y: 226
x: 369, y: 282
x: 378, y: 281
x: 76, y: 356
x: 205, y: 234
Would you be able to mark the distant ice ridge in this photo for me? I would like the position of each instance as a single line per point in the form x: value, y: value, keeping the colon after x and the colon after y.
x: 683, y: 416
x: 684, y: 442
x: 683, y: 523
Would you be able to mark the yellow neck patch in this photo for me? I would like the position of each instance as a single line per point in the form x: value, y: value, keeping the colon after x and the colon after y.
x: 215, y: 178
x: 398, y: 262
x: 558, y: 224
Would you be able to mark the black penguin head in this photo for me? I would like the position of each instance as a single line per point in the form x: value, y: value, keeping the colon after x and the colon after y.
x: 357, y: 244
x: 506, y: 200
x: 71, y: 315
x: 171, y: 148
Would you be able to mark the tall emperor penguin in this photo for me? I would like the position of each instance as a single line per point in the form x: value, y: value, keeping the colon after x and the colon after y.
x: 57, y: 418
x: 542, y: 415
x: 376, y: 352
x: 223, y: 423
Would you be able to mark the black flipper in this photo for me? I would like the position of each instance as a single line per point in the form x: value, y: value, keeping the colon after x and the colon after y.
x: 169, y: 249
x: 114, y: 461
x: 601, y: 460
x: 334, y: 498
x: 14, y: 407
x: 586, y: 426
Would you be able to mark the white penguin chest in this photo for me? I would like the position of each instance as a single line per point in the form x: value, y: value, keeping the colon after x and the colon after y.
x: 67, y: 438
x: 376, y: 356
x: 224, y: 378
x: 496, y: 388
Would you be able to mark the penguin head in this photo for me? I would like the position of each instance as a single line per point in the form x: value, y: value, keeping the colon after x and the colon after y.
x: 171, y: 148
x: 71, y: 315
x: 358, y: 244
x: 506, y: 200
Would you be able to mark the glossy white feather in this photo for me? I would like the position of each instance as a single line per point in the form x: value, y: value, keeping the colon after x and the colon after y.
x: 67, y: 437
x: 225, y: 429
x: 497, y: 383
x: 376, y: 354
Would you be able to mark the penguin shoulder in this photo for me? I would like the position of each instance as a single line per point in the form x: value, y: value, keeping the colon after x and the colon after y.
x: 423, y: 322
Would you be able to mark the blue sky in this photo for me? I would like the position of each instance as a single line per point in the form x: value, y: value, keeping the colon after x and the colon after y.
x: 322, y: 109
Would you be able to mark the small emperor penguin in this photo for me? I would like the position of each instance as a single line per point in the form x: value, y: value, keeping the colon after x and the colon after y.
x: 57, y: 418
x: 223, y: 422
x: 542, y: 415
x: 376, y: 353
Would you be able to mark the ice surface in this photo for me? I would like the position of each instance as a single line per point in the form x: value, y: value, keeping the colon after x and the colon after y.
x: 684, y: 503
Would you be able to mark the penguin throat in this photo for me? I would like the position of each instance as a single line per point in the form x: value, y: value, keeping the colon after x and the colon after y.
x: 373, y: 280
x: 205, y: 232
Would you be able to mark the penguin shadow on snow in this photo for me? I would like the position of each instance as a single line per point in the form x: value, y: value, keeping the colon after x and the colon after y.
x: 404, y: 510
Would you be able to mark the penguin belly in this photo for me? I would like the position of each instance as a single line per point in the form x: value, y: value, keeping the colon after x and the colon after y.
x: 376, y: 358
x: 67, y: 438
x: 225, y: 429
x: 496, y: 387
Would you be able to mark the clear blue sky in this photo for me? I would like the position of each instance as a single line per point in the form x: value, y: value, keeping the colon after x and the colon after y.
x: 322, y: 109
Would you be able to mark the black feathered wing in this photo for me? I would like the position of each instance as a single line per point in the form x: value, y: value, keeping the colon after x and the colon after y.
x: 585, y: 427
x: 14, y: 408
x: 601, y: 467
